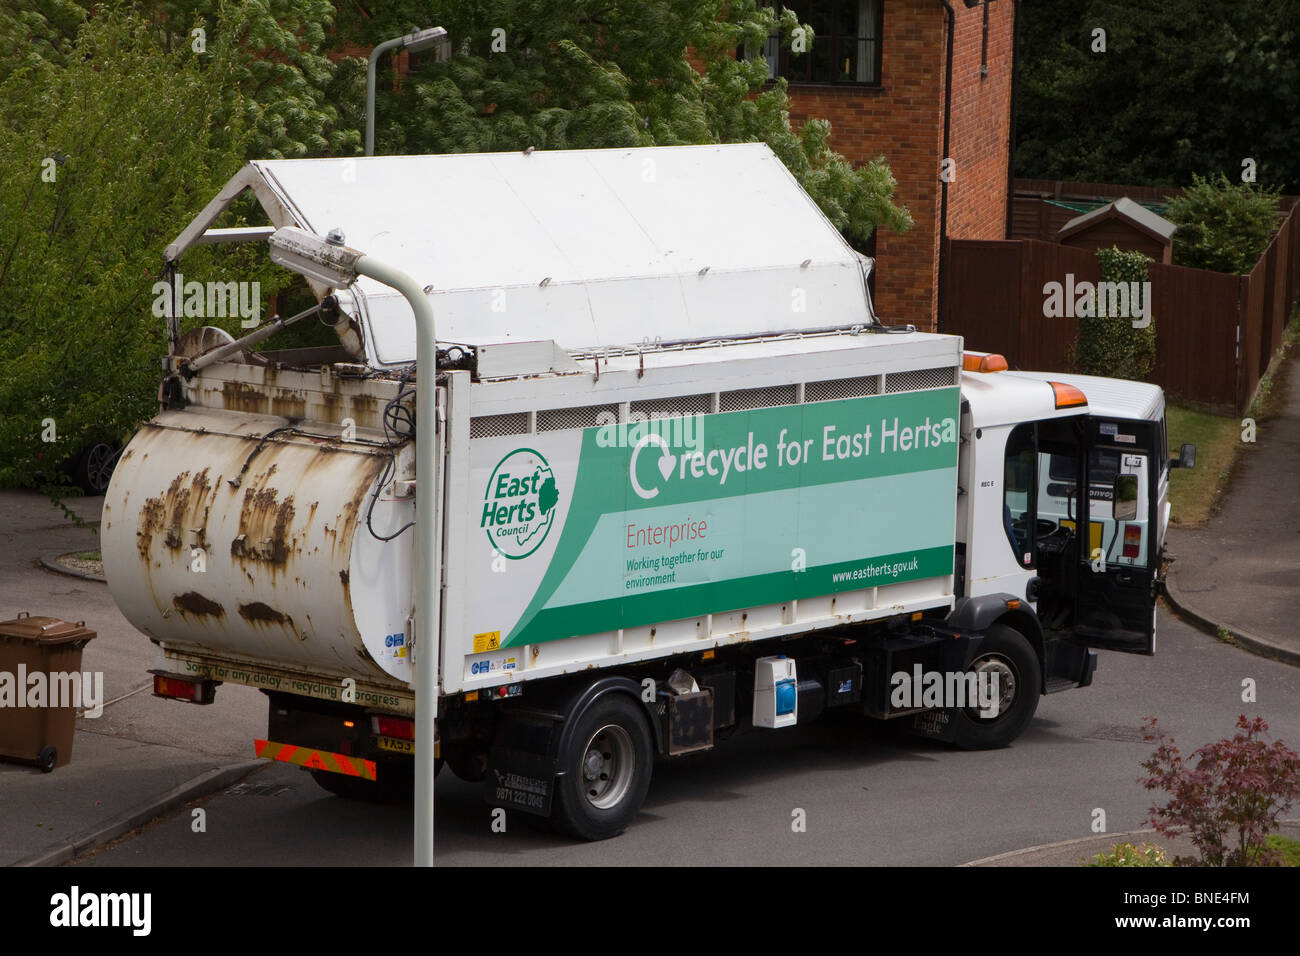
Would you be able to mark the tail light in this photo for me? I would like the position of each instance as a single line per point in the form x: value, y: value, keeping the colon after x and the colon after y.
x: 403, y: 728
x: 178, y: 688
x: 1132, y: 540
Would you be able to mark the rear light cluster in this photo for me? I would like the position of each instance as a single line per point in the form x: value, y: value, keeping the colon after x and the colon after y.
x: 178, y: 688
x: 1132, y: 540
x: 402, y: 728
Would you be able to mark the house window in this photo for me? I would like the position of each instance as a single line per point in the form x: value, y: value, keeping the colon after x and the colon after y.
x: 846, y: 48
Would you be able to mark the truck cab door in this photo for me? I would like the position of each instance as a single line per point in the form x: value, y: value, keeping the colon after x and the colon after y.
x: 1118, y: 573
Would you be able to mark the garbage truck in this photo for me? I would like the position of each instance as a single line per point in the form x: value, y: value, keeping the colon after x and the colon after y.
x: 686, y: 485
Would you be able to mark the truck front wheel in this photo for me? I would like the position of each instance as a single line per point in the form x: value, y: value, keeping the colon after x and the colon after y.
x: 1006, y: 654
x: 605, y: 769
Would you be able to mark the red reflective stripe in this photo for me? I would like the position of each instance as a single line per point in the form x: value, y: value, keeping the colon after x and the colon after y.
x: 315, y: 761
x: 350, y: 766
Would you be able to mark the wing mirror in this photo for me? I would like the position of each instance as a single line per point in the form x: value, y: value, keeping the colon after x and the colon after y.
x: 1125, y: 497
x: 1186, y: 458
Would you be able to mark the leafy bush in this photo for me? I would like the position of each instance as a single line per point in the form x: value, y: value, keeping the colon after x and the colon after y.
x: 1130, y: 854
x: 1222, y: 225
x: 1107, y: 344
x: 103, y: 160
x: 1238, y: 785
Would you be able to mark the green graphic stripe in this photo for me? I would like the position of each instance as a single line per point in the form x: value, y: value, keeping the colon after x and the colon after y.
x: 602, y: 485
x: 841, y: 521
x: 671, y: 604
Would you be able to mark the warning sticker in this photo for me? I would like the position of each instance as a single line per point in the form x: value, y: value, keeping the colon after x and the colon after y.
x: 488, y: 641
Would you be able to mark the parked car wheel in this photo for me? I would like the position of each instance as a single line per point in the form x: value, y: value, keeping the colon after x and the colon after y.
x: 93, y: 468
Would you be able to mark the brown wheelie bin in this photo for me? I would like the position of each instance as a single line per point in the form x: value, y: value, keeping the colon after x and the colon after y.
x: 39, y: 734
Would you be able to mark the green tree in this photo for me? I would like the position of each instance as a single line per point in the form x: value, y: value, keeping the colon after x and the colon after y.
x: 279, y: 81
x: 102, y: 161
x: 1223, y: 225
x: 559, y: 74
x: 1181, y: 87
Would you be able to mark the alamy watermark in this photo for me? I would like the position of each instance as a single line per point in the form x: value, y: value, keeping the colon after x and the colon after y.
x: 75, y: 909
x: 83, y: 691
x: 670, y: 431
x: 950, y: 689
x: 209, y: 300
x: 1119, y: 300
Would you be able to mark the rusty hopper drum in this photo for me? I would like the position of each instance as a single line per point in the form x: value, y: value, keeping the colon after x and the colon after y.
x: 228, y: 530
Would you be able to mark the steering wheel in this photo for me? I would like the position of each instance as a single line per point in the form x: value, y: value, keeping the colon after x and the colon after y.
x: 1043, y: 527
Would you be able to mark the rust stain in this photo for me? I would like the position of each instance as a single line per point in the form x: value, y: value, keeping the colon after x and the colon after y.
x: 241, y: 397
x: 288, y: 406
x: 191, y: 602
x: 264, y: 523
x: 151, y: 514
x: 352, y: 509
x: 182, y: 508
x: 347, y: 587
x: 257, y: 611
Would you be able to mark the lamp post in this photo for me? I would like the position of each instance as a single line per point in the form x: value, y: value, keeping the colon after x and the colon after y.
x: 412, y: 43
x: 337, y: 265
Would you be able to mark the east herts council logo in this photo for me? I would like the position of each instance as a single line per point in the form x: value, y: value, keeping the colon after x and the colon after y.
x: 519, y: 503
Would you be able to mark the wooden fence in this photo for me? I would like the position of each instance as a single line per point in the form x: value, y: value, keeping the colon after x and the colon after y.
x: 1215, y: 332
x: 1034, y: 214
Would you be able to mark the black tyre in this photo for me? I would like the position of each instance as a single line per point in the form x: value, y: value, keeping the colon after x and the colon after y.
x: 606, y: 769
x: 1005, y: 652
x: 94, y: 467
x: 468, y: 765
x: 47, y: 759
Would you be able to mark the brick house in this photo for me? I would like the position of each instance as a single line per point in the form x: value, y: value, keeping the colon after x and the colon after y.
x: 877, y: 72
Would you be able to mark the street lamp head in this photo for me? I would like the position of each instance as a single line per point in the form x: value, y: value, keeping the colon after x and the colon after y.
x: 316, y: 258
x: 424, y: 39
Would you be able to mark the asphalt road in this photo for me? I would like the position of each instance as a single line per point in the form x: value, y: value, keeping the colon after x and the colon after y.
x: 869, y: 797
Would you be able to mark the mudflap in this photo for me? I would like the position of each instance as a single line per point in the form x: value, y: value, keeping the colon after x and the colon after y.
x: 522, y: 764
x: 935, y: 724
x: 520, y: 781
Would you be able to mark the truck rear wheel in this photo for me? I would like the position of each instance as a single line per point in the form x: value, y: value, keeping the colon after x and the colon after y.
x: 606, y: 770
x: 1006, y: 653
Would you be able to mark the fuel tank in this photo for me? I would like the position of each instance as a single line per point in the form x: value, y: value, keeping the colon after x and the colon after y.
x: 248, y: 536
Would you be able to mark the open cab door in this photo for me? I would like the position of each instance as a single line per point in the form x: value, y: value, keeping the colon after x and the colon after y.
x: 1118, y: 575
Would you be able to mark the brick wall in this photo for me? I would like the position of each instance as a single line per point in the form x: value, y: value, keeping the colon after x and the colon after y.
x: 981, y: 124
x: 903, y: 121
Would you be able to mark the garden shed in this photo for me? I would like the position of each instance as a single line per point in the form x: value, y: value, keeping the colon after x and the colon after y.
x: 1122, y: 223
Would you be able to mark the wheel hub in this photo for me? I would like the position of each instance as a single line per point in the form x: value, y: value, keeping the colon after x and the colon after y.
x: 607, y: 766
x: 986, y: 668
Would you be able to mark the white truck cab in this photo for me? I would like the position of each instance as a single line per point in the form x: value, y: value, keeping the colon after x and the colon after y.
x: 1030, y: 434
